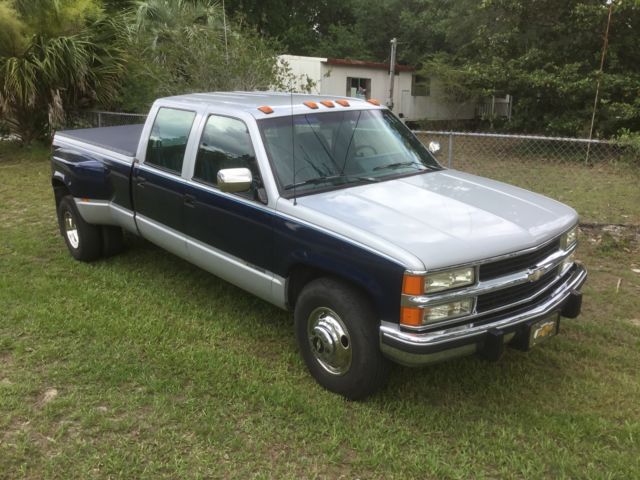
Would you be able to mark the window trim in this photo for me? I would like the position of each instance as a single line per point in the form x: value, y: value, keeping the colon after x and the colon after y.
x: 426, y: 82
x: 201, y: 181
x: 186, y: 145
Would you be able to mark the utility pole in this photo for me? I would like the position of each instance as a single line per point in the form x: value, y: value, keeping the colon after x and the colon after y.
x: 392, y: 72
x: 595, y: 101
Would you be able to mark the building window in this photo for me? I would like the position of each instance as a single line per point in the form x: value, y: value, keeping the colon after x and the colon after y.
x: 359, y: 87
x: 420, y: 86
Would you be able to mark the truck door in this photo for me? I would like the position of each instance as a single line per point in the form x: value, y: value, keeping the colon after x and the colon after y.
x: 157, y: 186
x: 230, y: 234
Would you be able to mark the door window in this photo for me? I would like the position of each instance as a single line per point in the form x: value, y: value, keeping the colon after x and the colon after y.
x: 225, y: 143
x: 168, y: 139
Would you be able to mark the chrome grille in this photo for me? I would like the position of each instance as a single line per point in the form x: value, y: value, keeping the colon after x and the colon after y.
x: 517, y: 263
x: 507, y: 296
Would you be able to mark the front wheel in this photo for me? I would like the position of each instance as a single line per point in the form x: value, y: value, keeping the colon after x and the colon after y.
x: 337, y: 332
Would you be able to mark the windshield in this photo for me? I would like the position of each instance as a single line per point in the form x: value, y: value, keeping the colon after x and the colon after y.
x: 334, y: 149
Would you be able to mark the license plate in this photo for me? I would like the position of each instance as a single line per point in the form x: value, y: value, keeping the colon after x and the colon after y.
x: 543, y: 329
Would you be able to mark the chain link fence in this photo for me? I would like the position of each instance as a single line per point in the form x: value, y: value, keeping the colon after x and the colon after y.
x: 94, y: 118
x: 600, y: 179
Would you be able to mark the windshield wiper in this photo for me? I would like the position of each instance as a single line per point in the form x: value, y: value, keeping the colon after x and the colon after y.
x: 328, y: 178
x: 398, y: 165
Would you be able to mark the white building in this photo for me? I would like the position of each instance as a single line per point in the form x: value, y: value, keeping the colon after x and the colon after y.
x: 414, y: 97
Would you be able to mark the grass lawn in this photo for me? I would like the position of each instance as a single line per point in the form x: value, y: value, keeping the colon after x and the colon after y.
x: 143, y: 366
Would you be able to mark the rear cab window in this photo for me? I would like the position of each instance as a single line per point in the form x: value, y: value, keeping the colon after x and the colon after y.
x: 168, y: 139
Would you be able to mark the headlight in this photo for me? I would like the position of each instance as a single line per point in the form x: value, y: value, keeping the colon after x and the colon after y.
x: 436, y: 282
x: 569, y: 238
x: 448, y: 310
x: 567, y: 262
x: 417, y: 317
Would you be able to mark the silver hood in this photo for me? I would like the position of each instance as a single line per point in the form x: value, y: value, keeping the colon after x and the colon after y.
x: 441, y: 218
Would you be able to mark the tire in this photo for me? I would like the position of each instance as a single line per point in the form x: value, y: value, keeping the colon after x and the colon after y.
x: 112, y: 241
x: 338, y: 337
x: 83, y: 240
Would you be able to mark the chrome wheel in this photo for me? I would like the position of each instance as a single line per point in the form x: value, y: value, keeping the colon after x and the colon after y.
x: 71, y: 230
x: 329, y: 340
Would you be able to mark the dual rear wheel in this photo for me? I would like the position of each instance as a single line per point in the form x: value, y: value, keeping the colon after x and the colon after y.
x: 87, y: 242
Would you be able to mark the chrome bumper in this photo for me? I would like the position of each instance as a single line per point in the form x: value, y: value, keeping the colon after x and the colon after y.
x: 423, y: 348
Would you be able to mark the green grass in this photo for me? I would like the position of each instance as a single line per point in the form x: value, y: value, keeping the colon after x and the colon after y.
x: 162, y: 370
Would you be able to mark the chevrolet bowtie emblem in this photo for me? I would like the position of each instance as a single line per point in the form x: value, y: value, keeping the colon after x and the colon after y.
x: 534, y: 275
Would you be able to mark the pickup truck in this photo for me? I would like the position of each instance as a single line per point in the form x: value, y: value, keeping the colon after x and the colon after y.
x: 329, y: 207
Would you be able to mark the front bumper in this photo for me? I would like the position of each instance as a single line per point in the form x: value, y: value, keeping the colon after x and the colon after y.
x: 486, y: 336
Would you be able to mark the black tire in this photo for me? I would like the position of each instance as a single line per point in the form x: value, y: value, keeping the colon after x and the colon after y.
x: 368, y: 369
x: 86, y: 244
x: 112, y: 241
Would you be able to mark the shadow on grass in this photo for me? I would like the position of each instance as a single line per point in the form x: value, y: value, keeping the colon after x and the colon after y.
x: 462, y: 383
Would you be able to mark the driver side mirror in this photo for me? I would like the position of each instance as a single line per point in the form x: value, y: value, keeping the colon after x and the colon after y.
x: 233, y: 180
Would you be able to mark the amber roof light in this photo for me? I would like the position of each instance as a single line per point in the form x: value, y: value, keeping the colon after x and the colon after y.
x: 344, y: 103
x: 373, y: 101
x: 313, y: 105
x: 266, y: 109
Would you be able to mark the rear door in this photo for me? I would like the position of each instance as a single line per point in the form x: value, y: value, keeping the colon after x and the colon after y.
x: 157, y: 184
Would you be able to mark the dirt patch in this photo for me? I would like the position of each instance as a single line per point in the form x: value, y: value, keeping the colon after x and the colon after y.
x: 48, y: 395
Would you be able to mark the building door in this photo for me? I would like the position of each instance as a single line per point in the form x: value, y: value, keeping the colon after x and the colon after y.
x: 406, y: 110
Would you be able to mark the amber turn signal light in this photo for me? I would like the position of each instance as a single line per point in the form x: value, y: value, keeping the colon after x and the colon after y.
x: 413, y: 285
x: 411, y: 316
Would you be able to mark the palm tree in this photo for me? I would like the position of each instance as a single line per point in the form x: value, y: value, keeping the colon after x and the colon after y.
x: 45, y: 72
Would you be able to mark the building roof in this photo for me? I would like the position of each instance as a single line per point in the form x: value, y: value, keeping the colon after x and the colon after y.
x: 282, y: 103
x: 365, y: 64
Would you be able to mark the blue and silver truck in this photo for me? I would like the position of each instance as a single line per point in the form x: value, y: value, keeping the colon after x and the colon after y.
x: 329, y: 207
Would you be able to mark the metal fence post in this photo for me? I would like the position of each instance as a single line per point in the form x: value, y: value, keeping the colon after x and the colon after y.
x: 99, y: 119
x: 450, y: 150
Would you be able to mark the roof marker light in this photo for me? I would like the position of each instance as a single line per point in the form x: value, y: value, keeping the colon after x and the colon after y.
x: 327, y: 103
x: 266, y: 109
x: 344, y: 103
x: 373, y: 101
x: 312, y: 105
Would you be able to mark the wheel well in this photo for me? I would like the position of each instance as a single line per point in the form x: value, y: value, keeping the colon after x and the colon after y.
x: 301, y: 275
x: 60, y: 190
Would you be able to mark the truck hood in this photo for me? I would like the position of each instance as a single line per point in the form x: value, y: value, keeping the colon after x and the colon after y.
x: 443, y: 218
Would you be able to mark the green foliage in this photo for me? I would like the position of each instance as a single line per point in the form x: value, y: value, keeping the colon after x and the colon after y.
x: 545, y: 53
x: 49, y: 67
x: 180, y: 46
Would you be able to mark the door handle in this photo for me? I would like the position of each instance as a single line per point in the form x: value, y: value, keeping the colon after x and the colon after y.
x: 189, y: 200
x: 140, y: 181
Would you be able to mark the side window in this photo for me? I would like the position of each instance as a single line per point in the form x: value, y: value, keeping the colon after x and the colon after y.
x: 225, y: 143
x: 168, y: 139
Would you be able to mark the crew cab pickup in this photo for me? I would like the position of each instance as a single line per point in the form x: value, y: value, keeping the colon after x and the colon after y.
x: 330, y: 207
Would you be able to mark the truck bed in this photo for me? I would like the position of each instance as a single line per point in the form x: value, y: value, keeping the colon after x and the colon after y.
x: 122, y: 139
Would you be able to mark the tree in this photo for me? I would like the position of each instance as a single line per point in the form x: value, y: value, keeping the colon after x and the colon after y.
x: 55, y: 55
x: 180, y: 46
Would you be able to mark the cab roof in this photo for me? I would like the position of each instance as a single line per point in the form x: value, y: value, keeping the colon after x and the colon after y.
x: 282, y: 103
